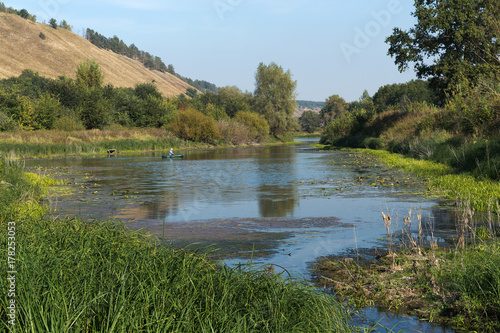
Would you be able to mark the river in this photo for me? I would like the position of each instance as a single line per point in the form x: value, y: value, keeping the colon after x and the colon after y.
x: 284, y: 205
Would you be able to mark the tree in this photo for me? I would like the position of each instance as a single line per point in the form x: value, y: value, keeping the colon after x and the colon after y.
x: 310, y: 121
x: 89, y: 74
x: 65, y: 25
x: 94, y: 108
x: 275, y: 97
x: 53, y: 23
x: 335, y: 106
x: 393, y: 94
x: 233, y: 100
x: 143, y: 90
x: 455, y: 43
x: 24, y: 13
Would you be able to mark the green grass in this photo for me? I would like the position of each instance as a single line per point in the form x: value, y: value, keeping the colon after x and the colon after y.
x: 480, y: 192
x: 473, y: 274
x: 26, y: 150
x: 77, y: 276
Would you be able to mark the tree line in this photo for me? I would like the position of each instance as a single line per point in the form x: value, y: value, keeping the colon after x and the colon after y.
x: 451, y: 113
x: 33, y: 102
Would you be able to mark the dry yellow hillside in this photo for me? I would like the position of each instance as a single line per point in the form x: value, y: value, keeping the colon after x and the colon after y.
x: 61, y: 51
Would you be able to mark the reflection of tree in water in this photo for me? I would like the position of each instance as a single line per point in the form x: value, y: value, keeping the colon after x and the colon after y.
x: 277, y: 191
x: 277, y: 201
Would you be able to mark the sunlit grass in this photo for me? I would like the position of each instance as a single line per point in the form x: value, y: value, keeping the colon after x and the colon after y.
x: 56, y: 143
x: 480, y: 193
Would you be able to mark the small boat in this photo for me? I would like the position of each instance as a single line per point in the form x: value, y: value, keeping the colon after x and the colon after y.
x: 172, y: 156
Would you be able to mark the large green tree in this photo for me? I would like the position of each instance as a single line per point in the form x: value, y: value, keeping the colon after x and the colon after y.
x: 455, y: 43
x: 234, y: 100
x: 275, y: 97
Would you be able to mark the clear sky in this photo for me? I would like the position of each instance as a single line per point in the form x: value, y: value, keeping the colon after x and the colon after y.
x: 330, y: 46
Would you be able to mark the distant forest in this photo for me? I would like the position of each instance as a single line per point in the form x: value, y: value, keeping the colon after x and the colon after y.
x: 117, y: 45
x: 310, y: 104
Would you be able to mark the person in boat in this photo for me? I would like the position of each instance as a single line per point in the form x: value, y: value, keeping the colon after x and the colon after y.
x: 171, y: 152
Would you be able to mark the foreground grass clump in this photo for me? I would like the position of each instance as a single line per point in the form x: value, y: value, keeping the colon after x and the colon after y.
x: 76, y: 276
x: 472, y: 283
x: 458, y: 288
x: 20, y: 191
x: 457, y: 285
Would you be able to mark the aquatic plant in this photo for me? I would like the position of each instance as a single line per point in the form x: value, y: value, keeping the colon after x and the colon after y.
x: 440, y: 177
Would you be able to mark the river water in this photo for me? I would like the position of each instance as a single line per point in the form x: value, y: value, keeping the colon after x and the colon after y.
x: 281, y: 205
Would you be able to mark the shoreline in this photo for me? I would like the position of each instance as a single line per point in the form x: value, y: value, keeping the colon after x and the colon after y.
x: 56, y: 144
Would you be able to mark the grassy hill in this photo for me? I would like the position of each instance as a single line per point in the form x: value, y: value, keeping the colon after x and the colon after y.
x: 60, y: 52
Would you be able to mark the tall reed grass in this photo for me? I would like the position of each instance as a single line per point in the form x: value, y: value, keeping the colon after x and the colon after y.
x: 85, y: 277
x: 50, y: 143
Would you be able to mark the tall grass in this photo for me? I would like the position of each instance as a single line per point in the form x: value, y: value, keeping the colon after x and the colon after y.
x: 77, y: 276
x: 473, y: 276
x: 50, y: 143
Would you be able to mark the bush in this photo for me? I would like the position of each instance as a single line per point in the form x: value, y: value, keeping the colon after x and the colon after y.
x: 47, y: 110
x: 68, y: 123
x: 233, y: 132
x: 6, y: 123
x: 193, y: 125
x: 258, y: 128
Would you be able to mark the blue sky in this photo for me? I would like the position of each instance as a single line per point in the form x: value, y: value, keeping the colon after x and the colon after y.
x: 329, y: 46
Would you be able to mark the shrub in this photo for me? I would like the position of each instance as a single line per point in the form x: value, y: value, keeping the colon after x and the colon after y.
x: 68, y: 123
x: 258, y: 128
x: 6, y: 122
x: 233, y: 132
x: 193, y: 125
x: 215, y: 112
x: 47, y: 110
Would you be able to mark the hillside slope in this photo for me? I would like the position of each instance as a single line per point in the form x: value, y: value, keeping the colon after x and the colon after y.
x: 61, y: 51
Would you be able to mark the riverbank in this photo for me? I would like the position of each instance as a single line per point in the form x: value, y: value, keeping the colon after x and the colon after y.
x: 100, y: 276
x: 54, y: 143
x: 480, y: 193
x: 457, y: 286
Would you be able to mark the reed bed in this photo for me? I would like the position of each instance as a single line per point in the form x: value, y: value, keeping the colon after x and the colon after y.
x: 56, y: 143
